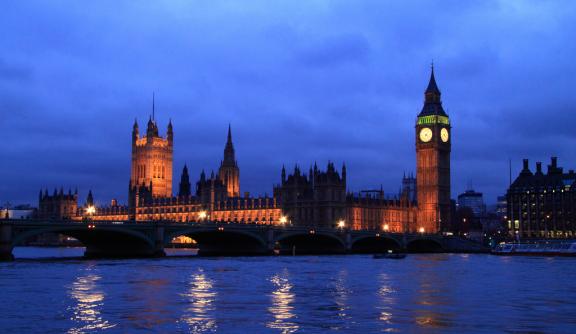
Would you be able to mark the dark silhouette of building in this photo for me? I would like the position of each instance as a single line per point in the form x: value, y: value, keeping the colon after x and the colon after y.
x: 184, y: 188
x: 542, y: 205
x: 315, y: 199
x: 59, y: 205
x: 409, y: 187
x: 473, y: 200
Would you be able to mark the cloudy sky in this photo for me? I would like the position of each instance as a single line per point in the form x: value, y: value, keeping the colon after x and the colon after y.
x: 300, y: 81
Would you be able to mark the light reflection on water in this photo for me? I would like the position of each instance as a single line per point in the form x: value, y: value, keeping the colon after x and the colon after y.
x: 341, y: 292
x: 89, y: 299
x: 282, y: 299
x: 430, y: 296
x: 200, y: 297
x: 305, y: 294
x: 387, y: 302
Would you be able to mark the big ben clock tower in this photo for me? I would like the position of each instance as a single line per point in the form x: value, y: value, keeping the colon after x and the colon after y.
x: 433, y: 141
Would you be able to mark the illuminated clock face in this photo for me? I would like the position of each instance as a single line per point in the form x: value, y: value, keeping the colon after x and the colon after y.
x: 444, y: 135
x: 425, y: 135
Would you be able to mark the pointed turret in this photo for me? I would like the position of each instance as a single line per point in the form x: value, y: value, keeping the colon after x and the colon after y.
x: 90, y: 199
x: 229, y: 173
x: 432, y: 100
x: 283, y: 174
x: 184, y: 183
x: 170, y: 132
x: 344, y: 172
x: 135, y: 132
x: 229, y: 154
x: 432, y: 89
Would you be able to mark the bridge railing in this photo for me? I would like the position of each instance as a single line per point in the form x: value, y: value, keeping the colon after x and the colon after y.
x: 205, y: 224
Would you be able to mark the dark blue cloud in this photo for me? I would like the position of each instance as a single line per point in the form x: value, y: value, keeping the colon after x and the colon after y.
x: 300, y: 82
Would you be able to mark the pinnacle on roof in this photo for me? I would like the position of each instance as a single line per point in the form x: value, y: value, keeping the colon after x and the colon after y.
x: 432, y: 86
x: 229, y: 133
x: 432, y: 101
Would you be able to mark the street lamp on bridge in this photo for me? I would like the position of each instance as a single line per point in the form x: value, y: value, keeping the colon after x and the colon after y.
x: 90, y: 210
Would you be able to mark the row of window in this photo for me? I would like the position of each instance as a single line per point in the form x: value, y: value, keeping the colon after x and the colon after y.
x: 158, y: 171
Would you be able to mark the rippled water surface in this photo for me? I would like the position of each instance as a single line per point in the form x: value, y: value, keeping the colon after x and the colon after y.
x: 303, y: 294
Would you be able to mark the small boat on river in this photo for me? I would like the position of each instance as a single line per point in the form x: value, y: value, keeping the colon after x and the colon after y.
x: 537, y: 248
x: 390, y: 255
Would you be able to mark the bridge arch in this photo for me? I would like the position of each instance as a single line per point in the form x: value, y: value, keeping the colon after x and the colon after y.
x: 424, y: 245
x: 100, y: 241
x: 311, y: 242
x: 374, y: 244
x: 225, y: 241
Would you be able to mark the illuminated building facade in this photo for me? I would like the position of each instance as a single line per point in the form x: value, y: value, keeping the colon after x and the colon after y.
x: 433, y: 145
x: 151, y: 170
x: 229, y: 173
x: 318, y: 198
x: 542, y: 205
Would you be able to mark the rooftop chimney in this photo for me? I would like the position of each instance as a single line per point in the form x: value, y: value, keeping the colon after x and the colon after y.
x: 538, y: 167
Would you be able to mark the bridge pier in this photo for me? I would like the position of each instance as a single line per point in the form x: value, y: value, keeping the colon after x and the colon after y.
x: 6, y: 245
x: 348, y: 242
x: 159, y: 241
x: 270, y: 241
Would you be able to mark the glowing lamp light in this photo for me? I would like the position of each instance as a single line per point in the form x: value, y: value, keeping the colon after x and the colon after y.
x: 202, y: 215
x: 341, y: 223
x: 421, y: 230
x: 283, y: 220
x: 386, y: 227
x: 90, y: 210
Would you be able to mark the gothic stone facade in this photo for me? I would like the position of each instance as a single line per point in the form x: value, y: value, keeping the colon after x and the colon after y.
x: 318, y: 198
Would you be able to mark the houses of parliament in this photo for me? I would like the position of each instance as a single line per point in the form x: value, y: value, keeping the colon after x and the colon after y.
x: 318, y: 197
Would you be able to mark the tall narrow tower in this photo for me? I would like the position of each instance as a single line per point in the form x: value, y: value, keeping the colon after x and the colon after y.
x: 229, y: 172
x: 433, y: 143
x: 152, y: 160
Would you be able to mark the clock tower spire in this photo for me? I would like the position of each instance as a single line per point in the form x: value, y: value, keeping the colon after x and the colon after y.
x: 433, y: 145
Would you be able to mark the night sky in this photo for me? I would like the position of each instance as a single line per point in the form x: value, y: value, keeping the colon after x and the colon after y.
x: 300, y: 81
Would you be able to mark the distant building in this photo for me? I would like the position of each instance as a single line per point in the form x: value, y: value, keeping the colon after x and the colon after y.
x: 58, y: 205
x: 502, y: 207
x: 18, y: 212
x: 409, y: 187
x: 542, y: 205
x: 473, y: 200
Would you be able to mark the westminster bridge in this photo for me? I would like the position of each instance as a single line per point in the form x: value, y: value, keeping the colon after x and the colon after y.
x: 148, y: 239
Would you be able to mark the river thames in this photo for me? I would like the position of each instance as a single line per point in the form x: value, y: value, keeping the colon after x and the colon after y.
x: 54, y: 291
